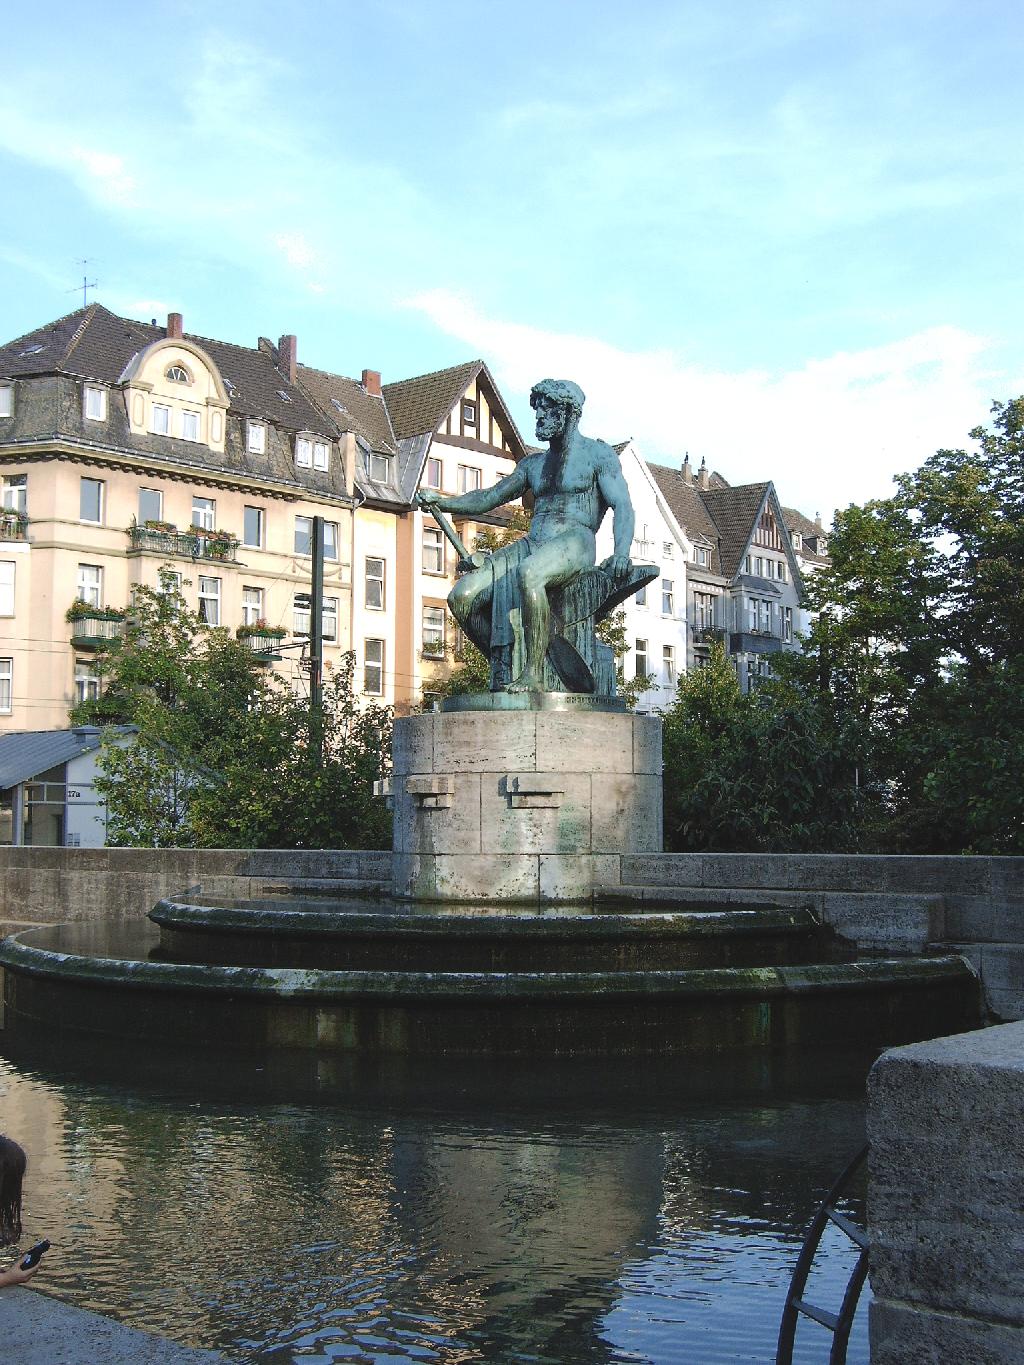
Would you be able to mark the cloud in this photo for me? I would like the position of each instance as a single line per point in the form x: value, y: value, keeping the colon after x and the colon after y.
x: 832, y: 431
x: 106, y: 174
x: 296, y: 250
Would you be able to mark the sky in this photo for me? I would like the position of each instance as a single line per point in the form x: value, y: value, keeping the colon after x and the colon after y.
x: 781, y: 237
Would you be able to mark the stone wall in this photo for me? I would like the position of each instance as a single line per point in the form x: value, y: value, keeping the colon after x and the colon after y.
x: 944, y: 1200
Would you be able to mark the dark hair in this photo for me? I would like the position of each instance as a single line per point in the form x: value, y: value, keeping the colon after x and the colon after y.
x: 561, y: 391
x: 12, y: 1170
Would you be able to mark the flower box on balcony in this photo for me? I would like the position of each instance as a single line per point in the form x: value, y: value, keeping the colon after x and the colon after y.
x: 261, y: 640
x: 94, y: 627
x: 13, y: 526
x: 164, y: 539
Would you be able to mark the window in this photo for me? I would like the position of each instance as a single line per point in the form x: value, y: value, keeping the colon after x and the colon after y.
x: 15, y: 493
x: 666, y: 549
x: 301, y: 608
x: 782, y: 571
x: 151, y: 505
x: 702, y: 556
x: 641, y: 596
x: 468, y: 413
x: 747, y: 564
x: 303, y: 452
x: 330, y: 540
x: 90, y: 500
x: 321, y: 454
x: 204, y: 513
x: 432, y: 473
x: 373, y: 667
x: 252, y: 527
x: 252, y: 606
x: 90, y: 584
x: 760, y: 615
x: 798, y: 541
x: 284, y: 396
x: 303, y: 535
x: 7, y: 568
x: 87, y: 683
x: 787, y: 623
x: 177, y: 374
x: 433, y: 550
x: 377, y: 466
x: 668, y: 660
x: 433, y: 632
x: 470, y: 479
x: 703, y: 610
x: 6, y: 685
x: 209, y: 600
x: 256, y: 438
x: 759, y: 566
x: 641, y: 659
x: 170, y: 581
x: 94, y: 403
x: 6, y: 400
x: 330, y: 620
x: 667, y: 597
x: 190, y: 426
x: 160, y: 420
x: 375, y: 584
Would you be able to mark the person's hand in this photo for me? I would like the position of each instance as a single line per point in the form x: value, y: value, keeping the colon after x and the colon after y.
x: 16, y: 1275
x: 617, y: 566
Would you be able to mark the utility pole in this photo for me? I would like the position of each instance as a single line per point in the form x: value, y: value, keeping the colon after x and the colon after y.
x: 316, y: 644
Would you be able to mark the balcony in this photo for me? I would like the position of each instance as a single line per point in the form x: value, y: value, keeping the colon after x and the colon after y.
x: 761, y: 641
x: 95, y: 628
x: 13, y: 526
x: 262, y: 642
x: 709, y: 635
x: 169, y: 542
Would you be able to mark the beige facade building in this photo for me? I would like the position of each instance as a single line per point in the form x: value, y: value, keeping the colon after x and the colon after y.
x: 127, y: 448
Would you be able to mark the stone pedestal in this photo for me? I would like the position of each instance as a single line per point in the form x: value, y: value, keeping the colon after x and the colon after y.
x: 524, y: 805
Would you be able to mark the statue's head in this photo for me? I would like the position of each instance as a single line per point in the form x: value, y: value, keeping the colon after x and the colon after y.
x: 555, y: 401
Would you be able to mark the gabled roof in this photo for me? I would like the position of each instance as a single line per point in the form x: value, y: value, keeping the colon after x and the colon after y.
x: 419, y: 406
x: 734, y: 511
x: 684, y: 501
x: 810, y: 532
x: 348, y: 404
x: 25, y: 755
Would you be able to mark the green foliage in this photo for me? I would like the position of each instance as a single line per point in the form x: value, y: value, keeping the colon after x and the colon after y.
x: 222, y: 757
x: 612, y: 632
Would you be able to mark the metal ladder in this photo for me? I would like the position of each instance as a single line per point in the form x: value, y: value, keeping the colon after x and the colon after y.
x: 839, y: 1324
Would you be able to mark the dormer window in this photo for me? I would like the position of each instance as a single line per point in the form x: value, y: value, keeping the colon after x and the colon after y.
x: 339, y: 406
x: 303, y: 452
x: 321, y: 454
x: 160, y: 422
x: 94, y: 403
x: 702, y: 556
x: 284, y: 397
x: 6, y: 400
x: 256, y: 438
x: 798, y: 541
x: 177, y: 374
x: 469, y: 413
x: 190, y: 426
x: 377, y: 466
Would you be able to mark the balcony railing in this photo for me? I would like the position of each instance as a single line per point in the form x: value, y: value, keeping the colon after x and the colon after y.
x: 13, y: 526
x: 182, y: 544
x: 96, y: 631
x: 263, y: 645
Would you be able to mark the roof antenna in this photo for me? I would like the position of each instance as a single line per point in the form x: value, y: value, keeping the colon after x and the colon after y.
x: 86, y: 284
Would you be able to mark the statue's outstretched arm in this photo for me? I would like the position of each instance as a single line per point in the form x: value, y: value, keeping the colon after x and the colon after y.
x: 509, y: 488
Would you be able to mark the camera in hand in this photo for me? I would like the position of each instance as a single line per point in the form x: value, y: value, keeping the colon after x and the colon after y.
x: 34, y: 1254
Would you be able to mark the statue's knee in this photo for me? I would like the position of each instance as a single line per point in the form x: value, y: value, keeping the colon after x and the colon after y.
x: 460, y: 602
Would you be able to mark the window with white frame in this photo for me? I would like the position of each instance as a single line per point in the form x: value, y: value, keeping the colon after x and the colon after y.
x: 151, y: 505
x: 160, y: 420
x: 667, y: 597
x: 432, y: 473
x: 330, y: 540
x: 177, y: 374
x: 702, y: 556
x: 760, y: 615
x: 468, y: 412
x: 783, y: 572
x: 640, y: 653
x: 373, y: 667
x: 304, y: 452
x: 703, y: 610
x: 204, y: 513
x: 209, y: 600
x: 377, y: 466
x: 87, y: 682
x: 256, y: 438
x: 303, y: 535
x: 253, y: 519
x: 7, y: 569
x: 330, y: 620
x: 6, y: 686
x: 433, y: 550
x: 641, y: 596
x: 668, y: 662
x: 321, y: 455
x: 798, y: 541
x: 433, y: 632
x: 301, y: 614
x: 90, y: 500
x: 190, y: 425
x: 15, y: 493
x: 666, y: 549
x: 90, y: 584
x: 374, y: 596
x: 252, y: 605
x: 470, y: 478
x: 787, y: 623
x: 6, y: 400
x: 94, y: 403
x: 169, y: 580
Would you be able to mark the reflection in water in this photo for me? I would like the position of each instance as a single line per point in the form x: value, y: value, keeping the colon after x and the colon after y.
x: 611, y: 1225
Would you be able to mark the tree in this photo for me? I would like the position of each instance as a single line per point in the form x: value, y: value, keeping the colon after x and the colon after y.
x: 222, y: 755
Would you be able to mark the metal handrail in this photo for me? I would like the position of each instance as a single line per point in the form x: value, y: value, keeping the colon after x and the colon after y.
x: 839, y: 1324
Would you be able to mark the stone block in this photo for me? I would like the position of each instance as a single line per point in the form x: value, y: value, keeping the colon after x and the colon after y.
x: 1005, y: 877
x: 884, y: 920
x: 1007, y: 924
x: 627, y: 813
x: 647, y: 745
x: 508, y: 827
x: 594, y: 742
x: 486, y: 877
x: 907, y: 1334
x: 947, y: 1168
x: 664, y: 869
x: 569, y: 878
x: 968, y: 917
x: 1006, y: 1005
x: 422, y: 827
x: 413, y: 876
x: 1002, y: 966
x: 413, y: 744
x: 485, y: 741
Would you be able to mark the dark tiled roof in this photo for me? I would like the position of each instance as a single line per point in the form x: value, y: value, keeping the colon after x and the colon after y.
x: 359, y: 411
x: 684, y: 500
x: 734, y: 511
x: 421, y: 404
x: 810, y: 532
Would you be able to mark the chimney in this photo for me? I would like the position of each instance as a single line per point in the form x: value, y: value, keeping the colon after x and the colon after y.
x: 287, y: 356
x: 817, y: 521
x: 703, y: 477
x: 687, y: 471
x: 371, y: 382
x: 175, y: 325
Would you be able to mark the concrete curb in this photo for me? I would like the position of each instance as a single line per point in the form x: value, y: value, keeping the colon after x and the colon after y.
x: 38, y: 1330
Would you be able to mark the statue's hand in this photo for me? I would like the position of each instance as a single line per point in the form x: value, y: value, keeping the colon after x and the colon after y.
x: 617, y: 567
x: 429, y: 497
